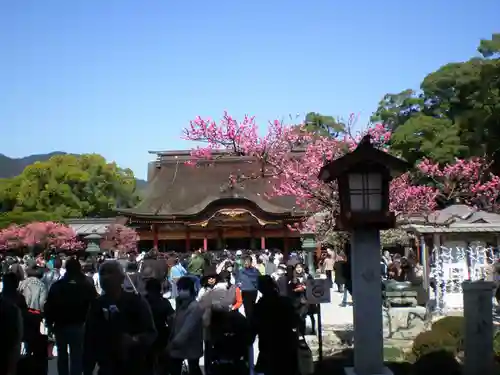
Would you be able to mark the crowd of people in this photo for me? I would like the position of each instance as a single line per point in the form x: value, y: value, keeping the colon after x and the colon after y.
x: 114, y: 314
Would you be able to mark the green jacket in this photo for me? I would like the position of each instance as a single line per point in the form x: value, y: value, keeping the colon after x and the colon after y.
x: 196, y: 265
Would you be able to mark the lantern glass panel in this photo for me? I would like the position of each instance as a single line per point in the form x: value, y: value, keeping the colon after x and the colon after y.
x: 365, y: 190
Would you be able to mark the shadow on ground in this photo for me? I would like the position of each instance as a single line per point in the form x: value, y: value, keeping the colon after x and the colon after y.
x: 335, y: 364
x: 439, y: 362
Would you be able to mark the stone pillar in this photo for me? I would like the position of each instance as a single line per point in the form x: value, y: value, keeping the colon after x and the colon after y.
x: 310, y: 262
x: 436, y: 240
x: 478, y: 314
x: 424, y: 259
x: 367, y: 300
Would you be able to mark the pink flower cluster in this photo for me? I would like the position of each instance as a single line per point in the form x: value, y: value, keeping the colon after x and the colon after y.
x: 120, y: 237
x: 465, y: 181
x: 45, y: 235
x: 291, y: 158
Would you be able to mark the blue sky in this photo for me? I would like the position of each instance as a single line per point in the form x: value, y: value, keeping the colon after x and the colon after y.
x: 121, y: 77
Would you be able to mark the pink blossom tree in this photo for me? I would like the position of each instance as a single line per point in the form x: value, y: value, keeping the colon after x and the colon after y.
x: 46, y: 235
x: 11, y: 237
x: 291, y: 159
x: 464, y: 181
x: 50, y: 235
x: 120, y: 237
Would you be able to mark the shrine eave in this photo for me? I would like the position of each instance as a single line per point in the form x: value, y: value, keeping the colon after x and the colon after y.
x: 148, y: 218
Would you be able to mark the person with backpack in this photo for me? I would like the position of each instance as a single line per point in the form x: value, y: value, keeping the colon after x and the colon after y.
x: 163, y: 314
x: 186, y: 339
x: 230, y: 341
x: 134, y: 280
x: 215, y: 296
x: 119, y: 329
x: 35, y: 294
x: 66, y: 308
x: 234, y: 297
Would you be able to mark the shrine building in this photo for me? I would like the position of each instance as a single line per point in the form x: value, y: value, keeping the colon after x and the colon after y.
x: 187, y: 207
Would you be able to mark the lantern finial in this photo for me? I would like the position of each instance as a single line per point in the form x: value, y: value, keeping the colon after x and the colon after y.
x: 366, y: 140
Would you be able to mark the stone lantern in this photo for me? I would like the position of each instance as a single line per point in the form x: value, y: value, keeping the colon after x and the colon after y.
x: 93, y: 243
x: 363, y: 178
x: 309, y: 246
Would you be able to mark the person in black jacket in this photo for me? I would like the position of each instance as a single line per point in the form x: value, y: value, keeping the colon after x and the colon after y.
x: 119, y: 329
x: 163, y: 314
x: 339, y: 268
x: 346, y: 271
x: 66, y: 309
x: 11, y: 332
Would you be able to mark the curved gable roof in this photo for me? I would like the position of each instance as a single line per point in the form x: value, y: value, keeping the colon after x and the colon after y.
x: 178, y: 189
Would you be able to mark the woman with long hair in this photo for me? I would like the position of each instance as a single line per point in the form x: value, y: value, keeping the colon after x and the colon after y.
x: 299, y: 286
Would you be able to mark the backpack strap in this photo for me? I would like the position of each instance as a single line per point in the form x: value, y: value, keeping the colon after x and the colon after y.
x: 131, y: 282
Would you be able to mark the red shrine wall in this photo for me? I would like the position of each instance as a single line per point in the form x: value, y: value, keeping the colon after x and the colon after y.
x: 214, y: 234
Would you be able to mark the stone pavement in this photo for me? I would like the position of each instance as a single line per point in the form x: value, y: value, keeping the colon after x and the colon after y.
x: 338, y: 327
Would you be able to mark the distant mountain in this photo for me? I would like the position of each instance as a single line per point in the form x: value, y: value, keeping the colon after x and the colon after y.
x: 11, y: 167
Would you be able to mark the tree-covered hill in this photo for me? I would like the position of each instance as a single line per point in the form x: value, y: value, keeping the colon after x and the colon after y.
x: 11, y: 167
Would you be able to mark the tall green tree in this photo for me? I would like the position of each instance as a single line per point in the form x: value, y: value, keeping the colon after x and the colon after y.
x: 69, y: 186
x: 456, y: 112
x: 325, y: 126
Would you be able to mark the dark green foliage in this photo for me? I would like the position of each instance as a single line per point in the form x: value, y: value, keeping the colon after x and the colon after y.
x: 67, y: 186
x: 496, y: 346
x: 453, y: 326
x: 325, y: 126
x: 11, y: 167
x: 456, y: 112
x: 433, y: 341
x: 19, y: 217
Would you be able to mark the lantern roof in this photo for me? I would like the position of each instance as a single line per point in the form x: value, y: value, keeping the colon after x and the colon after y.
x: 365, y: 154
x: 93, y: 236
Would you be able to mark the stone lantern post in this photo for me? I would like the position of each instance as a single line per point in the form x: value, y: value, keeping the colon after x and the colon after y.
x: 363, y: 178
x: 309, y: 246
x: 93, y: 243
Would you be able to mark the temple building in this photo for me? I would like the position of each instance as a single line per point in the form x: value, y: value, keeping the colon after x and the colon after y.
x: 186, y: 207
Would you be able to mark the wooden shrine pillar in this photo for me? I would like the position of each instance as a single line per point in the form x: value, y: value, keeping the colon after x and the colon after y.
x: 188, y: 240
x: 220, y: 239
x: 286, y: 242
x: 155, y: 236
x: 262, y: 242
x: 205, y: 243
x: 252, y: 239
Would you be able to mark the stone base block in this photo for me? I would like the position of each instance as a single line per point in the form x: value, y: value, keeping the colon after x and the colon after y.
x: 351, y: 371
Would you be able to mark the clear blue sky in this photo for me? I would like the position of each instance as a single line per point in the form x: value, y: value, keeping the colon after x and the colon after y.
x: 121, y: 77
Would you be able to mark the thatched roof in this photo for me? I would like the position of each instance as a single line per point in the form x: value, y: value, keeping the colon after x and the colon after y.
x: 176, y: 189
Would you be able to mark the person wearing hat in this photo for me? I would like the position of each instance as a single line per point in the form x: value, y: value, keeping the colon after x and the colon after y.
x: 213, y: 295
x: 239, y: 261
x: 235, y: 301
x: 208, y: 281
